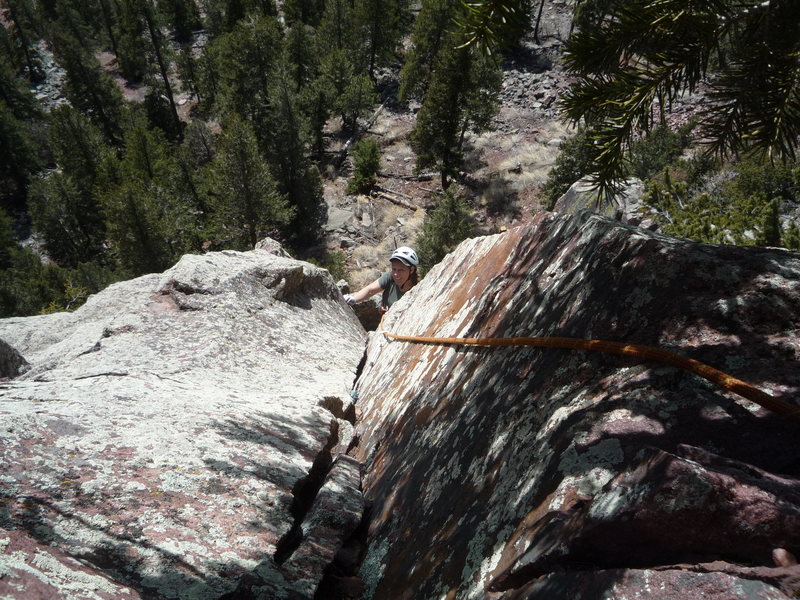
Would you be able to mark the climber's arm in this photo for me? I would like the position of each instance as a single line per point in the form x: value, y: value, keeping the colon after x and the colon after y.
x: 364, y: 293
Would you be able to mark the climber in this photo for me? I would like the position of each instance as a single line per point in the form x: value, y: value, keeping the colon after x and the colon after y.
x: 394, y: 283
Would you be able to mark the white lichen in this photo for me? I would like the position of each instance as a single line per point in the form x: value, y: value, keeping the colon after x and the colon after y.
x: 373, y: 567
x: 611, y: 502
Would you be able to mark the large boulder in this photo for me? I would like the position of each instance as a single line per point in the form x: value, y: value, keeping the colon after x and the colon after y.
x: 181, y: 436
x: 626, y: 207
x: 519, y: 472
x: 12, y: 363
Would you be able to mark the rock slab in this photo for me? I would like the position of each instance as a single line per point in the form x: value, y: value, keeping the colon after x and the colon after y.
x: 555, y: 474
x: 167, y: 435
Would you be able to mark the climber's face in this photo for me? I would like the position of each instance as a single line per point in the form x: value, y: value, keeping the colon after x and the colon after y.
x: 400, y: 273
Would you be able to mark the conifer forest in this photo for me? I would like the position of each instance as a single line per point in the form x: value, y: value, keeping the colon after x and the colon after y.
x: 103, y: 185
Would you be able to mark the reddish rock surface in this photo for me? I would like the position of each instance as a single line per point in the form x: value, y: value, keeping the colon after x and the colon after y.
x: 183, y: 435
x: 548, y: 473
x: 171, y: 436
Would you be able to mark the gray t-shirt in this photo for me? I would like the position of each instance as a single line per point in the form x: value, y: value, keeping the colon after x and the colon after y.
x: 391, y: 293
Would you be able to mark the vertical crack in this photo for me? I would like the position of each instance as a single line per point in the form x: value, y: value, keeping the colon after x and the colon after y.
x: 341, y: 579
x: 339, y: 409
x: 304, y: 492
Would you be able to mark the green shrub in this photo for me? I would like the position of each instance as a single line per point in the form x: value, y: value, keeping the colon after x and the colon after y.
x: 28, y: 287
x: 696, y: 168
x: 738, y: 213
x: 572, y: 163
x: 334, y: 262
x: 448, y: 224
x: 763, y: 177
x: 366, y: 162
x: 657, y: 150
x: 791, y: 237
x: 649, y: 156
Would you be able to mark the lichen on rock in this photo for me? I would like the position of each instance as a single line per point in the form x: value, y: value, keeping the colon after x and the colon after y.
x: 163, y: 427
x: 552, y: 465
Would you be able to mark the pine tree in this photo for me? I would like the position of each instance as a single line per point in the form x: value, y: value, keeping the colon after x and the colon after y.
x: 572, y: 163
x: 301, y: 54
x: 196, y: 151
x: 16, y: 95
x: 208, y: 77
x: 315, y: 104
x: 62, y: 204
x: 241, y: 64
x: 77, y: 145
x: 148, y: 224
x: 462, y: 96
x: 432, y: 29
x: 29, y: 287
x: 131, y: 41
x: 356, y: 99
x: 162, y: 53
x: 348, y: 92
x: 199, y: 143
x: 182, y: 17
x: 138, y: 227
x: 379, y: 25
x: 303, y: 12
x: 639, y: 54
x: 79, y: 21
x: 18, y: 155
x: 366, y: 162
x: 235, y: 11
x: 791, y: 237
x: 446, y: 226
x: 213, y: 17
x: 770, y: 229
x: 245, y: 199
x: 109, y: 23
x: 147, y: 153
x: 336, y: 72
x: 9, y: 56
x: 336, y: 31
x: 8, y: 240
x: 188, y: 72
x: 88, y: 88
x: 60, y: 217
x: 22, y: 16
x: 285, y: 135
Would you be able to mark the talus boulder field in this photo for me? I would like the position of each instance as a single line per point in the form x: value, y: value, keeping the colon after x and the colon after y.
x: 182, y: 433
x: 543, y: 473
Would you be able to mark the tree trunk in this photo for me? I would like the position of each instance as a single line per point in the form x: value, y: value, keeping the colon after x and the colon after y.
x: 445, y: 178
x: 155, y: 37
x: 33, y: 72
x: 538, y: 20
x: 109, y: 26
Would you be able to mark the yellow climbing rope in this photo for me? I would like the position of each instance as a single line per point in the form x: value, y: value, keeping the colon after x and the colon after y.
x: 725, y: 381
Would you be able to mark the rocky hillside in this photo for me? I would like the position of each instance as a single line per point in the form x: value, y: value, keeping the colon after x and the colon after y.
x: 191, y: 434
x: 504, y: 166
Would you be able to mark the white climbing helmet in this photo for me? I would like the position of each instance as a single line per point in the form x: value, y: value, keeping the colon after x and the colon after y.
x: 406, y: 255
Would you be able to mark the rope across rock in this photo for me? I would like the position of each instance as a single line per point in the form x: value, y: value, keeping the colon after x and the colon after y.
x: 723, y: 380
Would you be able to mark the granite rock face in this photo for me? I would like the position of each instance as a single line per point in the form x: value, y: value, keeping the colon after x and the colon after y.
x: 627, y: 207
x: 180, y: 434
x: 554, y: 474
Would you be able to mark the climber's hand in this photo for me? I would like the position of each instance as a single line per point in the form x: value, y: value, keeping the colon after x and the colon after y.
x: 349, y: 299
